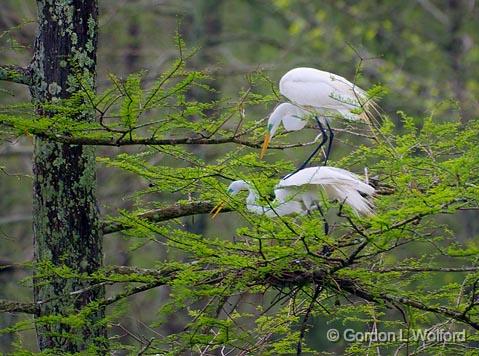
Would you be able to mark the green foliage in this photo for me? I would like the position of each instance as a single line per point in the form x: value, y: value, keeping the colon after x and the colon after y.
x: 252, y: 287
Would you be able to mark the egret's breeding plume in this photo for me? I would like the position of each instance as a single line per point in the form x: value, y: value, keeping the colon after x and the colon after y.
x: 303, y: 192
x: 322, y: 95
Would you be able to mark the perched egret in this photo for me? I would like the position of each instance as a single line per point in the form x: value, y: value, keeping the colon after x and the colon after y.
x: 277, y: 208
x: 322, y: 94
x: 339, y: 184
x: 303, y: 192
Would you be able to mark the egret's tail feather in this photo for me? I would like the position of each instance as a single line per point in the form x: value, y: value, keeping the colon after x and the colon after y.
x: 352, y: 197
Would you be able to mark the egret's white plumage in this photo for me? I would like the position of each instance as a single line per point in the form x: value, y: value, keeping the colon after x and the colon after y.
x: 280, y: 207
x: 291, y: 116
x: 313, y: 92
x: 304, y: 191
x: 307, y: 185
x: 323, y: 92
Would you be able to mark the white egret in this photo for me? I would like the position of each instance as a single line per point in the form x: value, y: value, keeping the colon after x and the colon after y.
x: 308, y: 184
x: 320, y: 93
x: 277, y: 208
x: 303, y: 191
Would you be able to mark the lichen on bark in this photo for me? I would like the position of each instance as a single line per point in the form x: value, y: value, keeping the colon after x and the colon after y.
x: 66, y: 220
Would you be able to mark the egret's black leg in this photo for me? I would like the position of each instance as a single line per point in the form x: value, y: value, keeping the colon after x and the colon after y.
x: 330, y: 143
x: 326, y: 250
x: 326, y: 225
x: 324, y: 138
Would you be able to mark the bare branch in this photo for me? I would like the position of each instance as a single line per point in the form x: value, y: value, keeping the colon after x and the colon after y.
x: 15, y: 218
x: 426, y: 269
x: 159, y: 273
x: 152, y: 141
x: 13, y: 151
x: 435, y: 12
x: 162, y: 214
x: 15, y: 74
x: 9, y: 306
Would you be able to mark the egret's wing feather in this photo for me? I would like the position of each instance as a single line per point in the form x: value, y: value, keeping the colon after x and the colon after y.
x: 326, y: 176
x: 285, y: 208
x: 313, y: 87
x: 317, y: 175
x: 356, y: 201
x: 338, y: 184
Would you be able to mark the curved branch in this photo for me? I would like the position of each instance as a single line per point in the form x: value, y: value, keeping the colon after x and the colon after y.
x: 15, y: 74
x: 171, y: 212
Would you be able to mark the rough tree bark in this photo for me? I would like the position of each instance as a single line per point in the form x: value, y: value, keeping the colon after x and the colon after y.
x: 65, y: 216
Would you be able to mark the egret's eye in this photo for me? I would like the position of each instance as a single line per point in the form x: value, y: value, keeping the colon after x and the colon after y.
x: 230, y: 190
x: 270, y: 126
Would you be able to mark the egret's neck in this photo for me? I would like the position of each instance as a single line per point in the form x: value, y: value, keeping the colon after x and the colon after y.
x: 252, y: 196
x: 251, y: 202
x: 273, y: 123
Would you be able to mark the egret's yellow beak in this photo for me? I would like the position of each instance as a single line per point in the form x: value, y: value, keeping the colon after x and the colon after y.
x: 267, y: 139
x: 216, y: 210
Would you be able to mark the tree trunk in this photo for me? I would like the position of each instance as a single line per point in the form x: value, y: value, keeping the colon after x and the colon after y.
x: 459, y: 11
x: 66, y: 219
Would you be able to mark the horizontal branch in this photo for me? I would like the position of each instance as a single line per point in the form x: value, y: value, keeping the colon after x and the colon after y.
x: 9, y: 306
x: 171, y: 212
x: 15, y: 218
x: 426, y: 269
x: 318, y: 276
x: 13, y: 151
x: 15, y: 74
x: 151, y: 141
x: 159, y: 273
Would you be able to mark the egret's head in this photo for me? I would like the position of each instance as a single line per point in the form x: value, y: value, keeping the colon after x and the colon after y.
x: 237, y: 186
x: 291, y: 117
x: 273, y: 124
x: 233, y: 189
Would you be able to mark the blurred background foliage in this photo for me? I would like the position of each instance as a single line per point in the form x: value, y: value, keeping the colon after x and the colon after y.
x: 423, y: 52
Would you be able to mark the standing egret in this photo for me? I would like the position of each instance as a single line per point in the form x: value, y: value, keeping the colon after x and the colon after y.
x: 302, y: 192
x: 322, y: 94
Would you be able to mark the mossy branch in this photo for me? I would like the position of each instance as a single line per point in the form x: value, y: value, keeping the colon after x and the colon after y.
x: 318, y: 276
x: 171, y: 212
x: 10, y: 306
x: 15, y: 74
x: 125, y: 140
